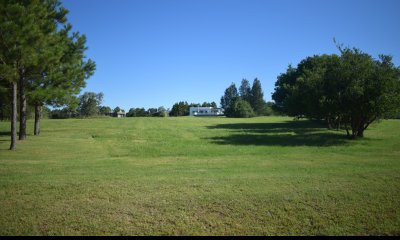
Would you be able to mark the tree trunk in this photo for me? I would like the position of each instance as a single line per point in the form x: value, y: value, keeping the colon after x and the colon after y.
x: 360, y: 133
x: 13, y: 145
x: 22, y: 109
x: 38, y: 110
x: 347, y: 130
x: 328, y: 120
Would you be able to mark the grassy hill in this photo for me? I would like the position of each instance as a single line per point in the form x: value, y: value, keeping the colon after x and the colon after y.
x: 200, y: 176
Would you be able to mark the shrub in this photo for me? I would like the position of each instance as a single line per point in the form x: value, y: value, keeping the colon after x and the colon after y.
x: 240, y: 109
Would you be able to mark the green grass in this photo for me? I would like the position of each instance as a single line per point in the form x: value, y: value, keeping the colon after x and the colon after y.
x: 200, y: 176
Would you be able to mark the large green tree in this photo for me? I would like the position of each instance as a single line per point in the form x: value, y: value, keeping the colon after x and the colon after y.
x: 352, y: 89
x: 372, y: 89
x: 63, y: 78
x: 40, y: 56
x: 22, y: 27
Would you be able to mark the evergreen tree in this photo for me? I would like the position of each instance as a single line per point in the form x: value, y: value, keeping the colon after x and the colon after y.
x: 245, y: 90
x: 24, y: 25
x: 230, y: 95
x: 257, y: 97
x: 60, y: 80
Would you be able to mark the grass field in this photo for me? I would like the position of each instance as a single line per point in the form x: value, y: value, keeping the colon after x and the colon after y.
x: 200, y: 176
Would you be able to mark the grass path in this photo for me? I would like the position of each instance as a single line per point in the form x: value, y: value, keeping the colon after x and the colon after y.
x: 200, y: 176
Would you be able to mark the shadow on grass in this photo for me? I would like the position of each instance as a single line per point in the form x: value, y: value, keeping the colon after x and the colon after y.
x: 5, y: 134
x: 290, y: 133
x: 2, y: 134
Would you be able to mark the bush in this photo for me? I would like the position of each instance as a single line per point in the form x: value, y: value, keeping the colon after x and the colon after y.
x: 240, y: 109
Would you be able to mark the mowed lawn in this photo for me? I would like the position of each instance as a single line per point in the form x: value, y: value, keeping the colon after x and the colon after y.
x: 200, y: 176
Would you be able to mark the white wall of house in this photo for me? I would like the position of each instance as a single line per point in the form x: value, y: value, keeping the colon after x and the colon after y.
x: 205, y: 111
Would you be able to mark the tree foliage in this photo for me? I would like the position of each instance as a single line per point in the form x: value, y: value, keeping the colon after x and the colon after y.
x: 241, y: 109
x: 89, y: 104
x: 351, y: 90
x: 233, y: 100
x: 257, y: 97
x: 230, y: 95
x: 40, y: 57
x: 180, y: 109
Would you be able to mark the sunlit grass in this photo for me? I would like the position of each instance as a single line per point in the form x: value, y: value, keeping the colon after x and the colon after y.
x: 200, y: 176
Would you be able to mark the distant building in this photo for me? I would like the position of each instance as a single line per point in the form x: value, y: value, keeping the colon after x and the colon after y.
x: 119, y: 114
x: 205, y: 111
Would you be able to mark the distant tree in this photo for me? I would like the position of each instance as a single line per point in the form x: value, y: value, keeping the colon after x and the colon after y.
x: 152, y: 111
x: 206, y: 104
x: 230, y: 95
x: 117, y: 110
x: 257, y: 97
x: 241, y: 109
x: 268, y: 111
x: 131, y: 113
x: 180, y: 109
x: 137, y: 112
x: 89, y: 104
x: 161, y: 112
x: 245, y: 90
x: 105, y: 110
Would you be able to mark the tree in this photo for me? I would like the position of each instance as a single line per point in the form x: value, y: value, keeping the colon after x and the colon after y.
x: 20, y: 32
x: 161, y: 112
x: 257, y: 97
x: 64, y: 77
x: 230, y: 95
x: 241, y: 109
x: 31, y: 44
x: 268, y: 111
x: 89, y: 104
x: 117, y: 110
x: 352, y: 89
x: 214, y: 105
x: 105, y: 110
x: 180, y: 109
x: 245, y: 90
x: 372, y: 89
x: 5, y: 111
x: 284, y: 92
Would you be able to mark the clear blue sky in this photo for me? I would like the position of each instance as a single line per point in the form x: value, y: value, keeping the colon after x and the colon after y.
x: 152, y: 53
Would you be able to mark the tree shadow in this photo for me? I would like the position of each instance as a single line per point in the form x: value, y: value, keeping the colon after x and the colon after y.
x: 2, y: 134
x: 290, y: 133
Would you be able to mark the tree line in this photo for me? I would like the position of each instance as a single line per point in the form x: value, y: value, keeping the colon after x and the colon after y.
x: 246, y: 102
x: 351, y: 90
x: 182, y: 108
x: 89, y: 105
x: 42, y: 62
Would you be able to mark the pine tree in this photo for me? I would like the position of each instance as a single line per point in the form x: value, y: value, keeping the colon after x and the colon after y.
x: 245, y: 90
x: 257, y: 97
x: 230, y: 95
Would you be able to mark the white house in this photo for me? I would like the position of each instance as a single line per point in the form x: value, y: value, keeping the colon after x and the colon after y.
x: 205, y: 111
x: 120, y: 114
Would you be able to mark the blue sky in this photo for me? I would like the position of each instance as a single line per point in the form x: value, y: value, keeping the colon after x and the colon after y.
x: 152, y: 53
